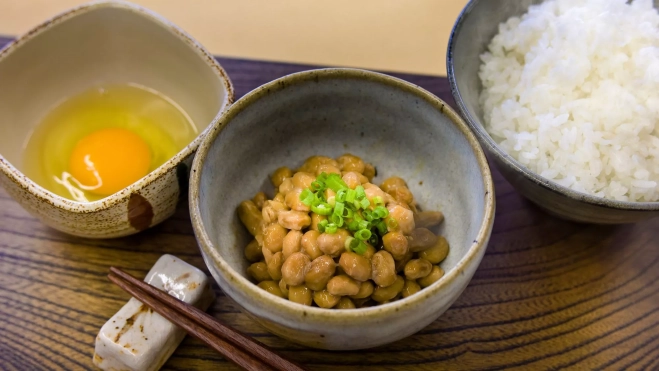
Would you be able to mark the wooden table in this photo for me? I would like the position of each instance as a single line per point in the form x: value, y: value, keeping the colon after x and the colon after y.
x: 548, y: 294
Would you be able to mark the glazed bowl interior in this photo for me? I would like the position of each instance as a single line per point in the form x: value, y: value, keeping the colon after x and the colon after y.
x: 395, y: 126
x: 103, y: 43
x: 472, y: 33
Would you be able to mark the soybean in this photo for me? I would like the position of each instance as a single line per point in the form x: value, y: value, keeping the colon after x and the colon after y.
x: 273, y: 237
x: 436, y: 253
x: 428, y: 219
x: 309, y: 243
x: 421, y: 239
x: 291, y: 243
x: 271, y: 287
x: 295, y: 268
x: 253, y: 252
x: 300, y: 294
x: 355, y: 266
x: 383, y: 269
x: 365, y: 290
x: 396, y: 244
x: 410, y: 288
x: 251, y: 217
x: 342, y: 285
x: 417, y: 268
x: 345, y: 303
x: 320, y: 271
x: 279, y: 175
x: 324, y: 299
x: 435, y: 274
x: 382, y: 294
x: 259, y: 272
x: 274, y: 266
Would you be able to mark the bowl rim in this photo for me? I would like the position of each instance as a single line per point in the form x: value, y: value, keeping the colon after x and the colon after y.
x: 279, y: 305
x: 122, y: 196
x: 486, y: 140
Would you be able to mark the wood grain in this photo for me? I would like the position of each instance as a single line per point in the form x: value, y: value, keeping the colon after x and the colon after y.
x: 549, y: 294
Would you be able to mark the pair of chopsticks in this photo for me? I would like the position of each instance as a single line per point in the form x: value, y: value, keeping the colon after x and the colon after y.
x: 234, y: 346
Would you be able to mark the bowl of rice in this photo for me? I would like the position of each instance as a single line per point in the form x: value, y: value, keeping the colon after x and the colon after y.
x: 564, y: 97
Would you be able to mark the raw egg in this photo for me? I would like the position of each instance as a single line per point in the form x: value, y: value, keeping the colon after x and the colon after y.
x: 101, y: 141
x: 108, y: 160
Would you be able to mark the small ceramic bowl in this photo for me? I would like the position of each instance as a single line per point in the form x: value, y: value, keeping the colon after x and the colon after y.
x: 400, y: 128
x: 471, y: 35
x: 103, y: 43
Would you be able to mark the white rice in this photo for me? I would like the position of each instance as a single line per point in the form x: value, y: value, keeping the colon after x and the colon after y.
x: 571, y: 90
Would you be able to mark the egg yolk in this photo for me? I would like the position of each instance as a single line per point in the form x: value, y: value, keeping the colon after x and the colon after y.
x: 108, y: 160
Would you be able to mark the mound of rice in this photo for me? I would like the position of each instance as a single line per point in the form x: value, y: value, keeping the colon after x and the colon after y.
x: 571, y: 90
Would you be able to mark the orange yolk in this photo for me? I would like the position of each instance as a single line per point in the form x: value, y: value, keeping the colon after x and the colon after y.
x: 108, y: 160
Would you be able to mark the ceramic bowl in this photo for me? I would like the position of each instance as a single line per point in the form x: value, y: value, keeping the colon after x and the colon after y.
x: 400, y: 128
x: 100, y: 43
x: 472, y: 33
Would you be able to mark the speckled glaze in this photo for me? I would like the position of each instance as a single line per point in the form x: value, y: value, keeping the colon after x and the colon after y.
x: 473, y: 31
x: 104, y: 42
x: 400, y: 128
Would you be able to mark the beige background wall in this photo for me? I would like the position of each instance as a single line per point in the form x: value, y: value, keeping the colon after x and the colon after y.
x: 394, y: 35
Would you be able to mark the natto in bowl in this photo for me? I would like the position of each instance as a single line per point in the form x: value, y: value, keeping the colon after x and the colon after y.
x: 400, y: 128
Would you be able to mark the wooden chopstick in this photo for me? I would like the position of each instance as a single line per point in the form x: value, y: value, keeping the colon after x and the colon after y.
x: 236, y: 347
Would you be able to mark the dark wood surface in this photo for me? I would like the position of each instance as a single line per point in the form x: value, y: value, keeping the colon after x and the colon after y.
x: 549, y: 294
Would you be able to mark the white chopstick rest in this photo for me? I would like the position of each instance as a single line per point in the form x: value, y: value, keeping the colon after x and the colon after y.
x: 139, y: 339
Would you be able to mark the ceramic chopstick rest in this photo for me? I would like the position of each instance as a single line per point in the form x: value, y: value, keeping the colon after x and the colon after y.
x: 136, y: 338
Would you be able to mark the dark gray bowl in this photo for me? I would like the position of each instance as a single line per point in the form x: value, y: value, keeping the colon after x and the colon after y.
x: 477, y: 25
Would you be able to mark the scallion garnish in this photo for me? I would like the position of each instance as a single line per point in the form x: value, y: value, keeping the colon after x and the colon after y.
x: 335, y: 183
x: 306, y: 197
x: 331, y: 228
x: 321, y: 208
x: 363, y: 234
x: 347, y: 208
x: 381, y: 212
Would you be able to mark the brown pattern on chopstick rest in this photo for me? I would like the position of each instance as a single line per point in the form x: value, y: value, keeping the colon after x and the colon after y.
x: 549, y: 293
x: 240, y: 349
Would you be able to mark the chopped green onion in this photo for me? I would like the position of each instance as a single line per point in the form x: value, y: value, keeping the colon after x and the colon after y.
x: 348, y: 243
x: 336, y: 219
x: 317, y: 185
x: 335, y: 183
x: 338, y: 208
x: 331, y: 228
x: 321, y: 208
x: 350, y: 196
x: 363, y: 234
x: 360, y: 247
x: 306, y: 196
x: 360, y: 193
x: 322, y: 177
x: 330, y: 196
x: 348, y: 213
x: 363, y: 224
x: 382, y: 227
x: 341, y: 195
x: 381, y: 212
x: 364, y: 203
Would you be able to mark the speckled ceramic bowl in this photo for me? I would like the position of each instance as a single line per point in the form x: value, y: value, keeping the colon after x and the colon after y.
x: 473, y: 31
x: 104, y: 42
x: 400, y: 128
